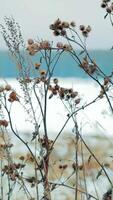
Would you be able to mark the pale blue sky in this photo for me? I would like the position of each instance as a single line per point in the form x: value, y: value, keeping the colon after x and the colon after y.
x: 35, y: 16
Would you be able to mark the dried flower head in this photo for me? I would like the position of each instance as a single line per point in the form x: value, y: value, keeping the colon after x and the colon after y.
x: 7, y: 88
x: 22, y: 158
x: 108, y: 10
x: 103, y: 5
x: 42, y: 72
x: 82, y: 27
x: 1, y: 88
x: 13, y: 97
x: 65, y: 25
x: 67, y: 47
x: 37, y: 65
x: 106, y: 80
x: 77, y: 101
x: 30, y: 41
x: 88, y: 28
x: 73, y: 24
x: 4, y: 123
x: 108, y: 195
x: 45, y: 44
x: 55, y: 80
x: 56, y: 33
x: 60, y: 45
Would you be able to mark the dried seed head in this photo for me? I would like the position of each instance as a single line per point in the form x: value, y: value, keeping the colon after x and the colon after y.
x: 111, y: 6
x: 63, y: 32
x: 45, y: 44
x: 82, y: 27
x: 52, y: 27
x: 60, y: 45
x: 101, y: 95
x: 57, y: 22
x: 1, y: 88
x: 72, y: 24
x: 74, y: 94
x: 74, y: 166
x: 21, y: 158
x: 108, y: 10
x: 7, y: 87
x: 85, y: 33
x: 65, y: 166
x: 4, y: 123
x: 56, y: 33
x: 65, y: 24
x: 88, y: 28
x: 67, y: 47
x: 30, y: 41
x: 77, y: 101
x: 103, y: 5
x: 42, y: 72
x: 37, y: 65
x: 37, y: 80
x: 55, y: 80
x: 32, y: 53
x: 106, y: 80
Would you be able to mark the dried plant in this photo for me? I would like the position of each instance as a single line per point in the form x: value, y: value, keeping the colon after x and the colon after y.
x: 38, y: 172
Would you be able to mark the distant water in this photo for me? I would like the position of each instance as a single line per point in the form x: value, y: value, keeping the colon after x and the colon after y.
x: 66, y: 67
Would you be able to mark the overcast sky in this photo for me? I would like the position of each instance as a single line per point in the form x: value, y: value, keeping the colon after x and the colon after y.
x: 35, y: 16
